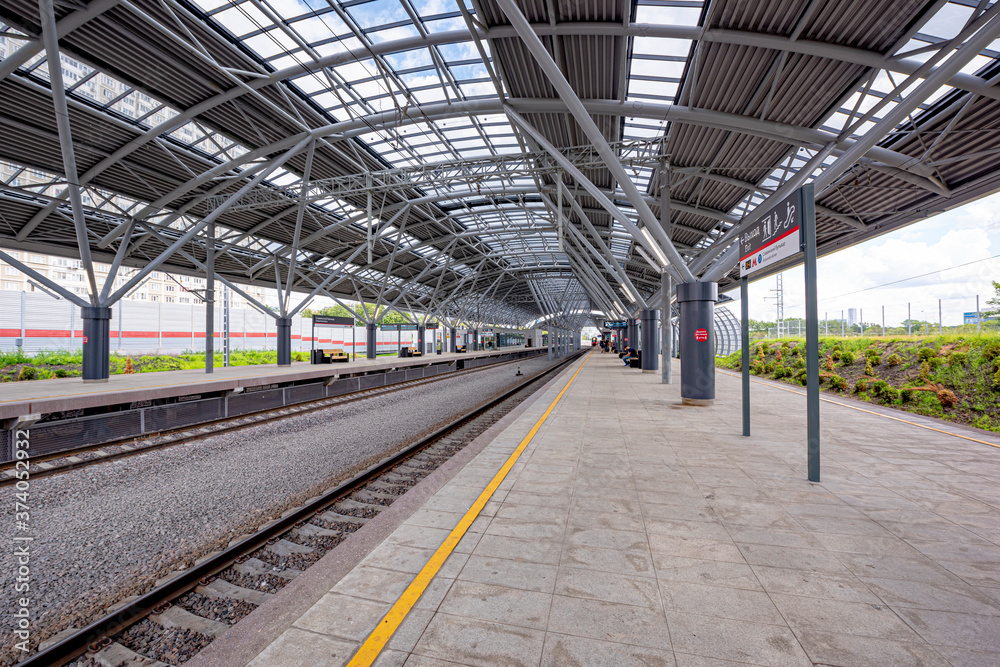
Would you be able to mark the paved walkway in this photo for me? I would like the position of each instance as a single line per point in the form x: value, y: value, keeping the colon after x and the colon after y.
x: 635, y: 531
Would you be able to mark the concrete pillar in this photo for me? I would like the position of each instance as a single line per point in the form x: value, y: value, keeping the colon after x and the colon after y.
x: 284, y: 341
x: 475, y: 340
x: 96, y: 343
x: 370, y: 340
x: 650, y: 353
x: 551, y: 347
x: 697, y: 341
x: 630, y: 333
x: 421, y: 340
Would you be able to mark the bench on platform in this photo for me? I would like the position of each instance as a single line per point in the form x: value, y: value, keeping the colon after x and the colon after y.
x: 331, y: 355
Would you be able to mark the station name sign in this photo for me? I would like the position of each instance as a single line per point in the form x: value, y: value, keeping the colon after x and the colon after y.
x: 615, y: 324
x: 432, y: 326
x: 331, y: 319
x: 408, y: 327
x: 776, y: 236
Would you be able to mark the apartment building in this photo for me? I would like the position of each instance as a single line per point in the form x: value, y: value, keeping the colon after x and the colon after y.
x: 158, y: 287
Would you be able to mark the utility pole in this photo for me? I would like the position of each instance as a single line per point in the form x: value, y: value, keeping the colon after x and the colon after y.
x: 779, y: 306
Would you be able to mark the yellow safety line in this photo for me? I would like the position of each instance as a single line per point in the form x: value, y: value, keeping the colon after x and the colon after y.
x: 872, y: 412
x: 377, y: 640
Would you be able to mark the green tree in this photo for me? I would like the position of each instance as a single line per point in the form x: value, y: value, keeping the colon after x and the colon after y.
x: 993, y: 305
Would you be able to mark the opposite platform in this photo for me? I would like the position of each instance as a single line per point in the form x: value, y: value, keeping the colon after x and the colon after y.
x: 39, y: 396
x: 634, y: 530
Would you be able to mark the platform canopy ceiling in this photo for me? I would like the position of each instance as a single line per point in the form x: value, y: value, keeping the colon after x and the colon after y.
x: 494, y: 161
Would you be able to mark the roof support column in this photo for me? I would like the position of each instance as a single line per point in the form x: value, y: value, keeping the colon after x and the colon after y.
x: 50, y: 38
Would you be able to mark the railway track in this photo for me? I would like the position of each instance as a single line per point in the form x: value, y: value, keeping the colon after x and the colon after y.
x: 80, y: 457
x: 171, y: 623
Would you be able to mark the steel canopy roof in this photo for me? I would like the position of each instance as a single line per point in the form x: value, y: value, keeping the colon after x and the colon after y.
x: 410, y: 151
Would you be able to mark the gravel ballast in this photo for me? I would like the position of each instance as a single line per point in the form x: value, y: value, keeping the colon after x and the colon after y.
x: 109, y: 531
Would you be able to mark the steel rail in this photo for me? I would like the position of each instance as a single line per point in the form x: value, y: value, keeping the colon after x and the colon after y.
x: 81, y: 641
x: 283, y: 412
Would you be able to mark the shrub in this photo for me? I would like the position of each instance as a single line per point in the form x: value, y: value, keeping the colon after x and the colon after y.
x: 61, y: 373
x: 27, y: 373
x: 800, y: 377
x: 786, y: 346
x: 847, y: 358
x: 838, y: 383
x: 871, y: 353
x: 957, y: 359
x: 780, y: 371
x: 925, y: 370
x: 884, y: 391
x: 769, y: 367
x: 894, y: 359
x: 991, y: 350
x: 800, y: 363
x: 829, y: 363
x: 836, y: 354
x: 869, y: 370
x: 926, y: 353
x: 906, y: 395
x: 947, y: 397
x: 874, y: 360
x: 861, y: 386
x: 757, y: 368
x: 760, y: 351
x: 778, y: 356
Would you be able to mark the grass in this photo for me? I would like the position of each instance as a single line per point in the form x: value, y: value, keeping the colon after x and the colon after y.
x: 955, y: 377
x: 18, y: 366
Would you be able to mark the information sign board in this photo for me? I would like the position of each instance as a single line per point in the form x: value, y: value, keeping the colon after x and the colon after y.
x: 333, y: 320
x: 389, y: 327
x: 776, y: 236
x: 615, y: 324
x: 431, y: 327
x: 408, y: 327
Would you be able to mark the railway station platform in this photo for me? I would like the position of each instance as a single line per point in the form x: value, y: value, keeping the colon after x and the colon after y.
x: 633, y: 530
x: 43, y: 396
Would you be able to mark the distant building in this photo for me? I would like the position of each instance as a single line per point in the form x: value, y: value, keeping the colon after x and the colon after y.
x: 158, y: 287
x: 972, y: 318
x: 852, y: 316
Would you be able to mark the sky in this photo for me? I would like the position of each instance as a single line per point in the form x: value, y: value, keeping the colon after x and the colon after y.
x: 857, y: 277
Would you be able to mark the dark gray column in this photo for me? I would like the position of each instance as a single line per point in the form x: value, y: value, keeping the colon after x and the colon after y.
x: 666, y: 329
x: 551, y: 347
x: 650, y: 353
x: 209, y: 301
x: 475, y: 340
x: 370, y: 343
x: 630, y: 334
x: 452, y: 344
x: 697, y: 346
x: 96, y: 343
x: 284, y: 341
x: 745, y: 350
x: 421, y: 340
